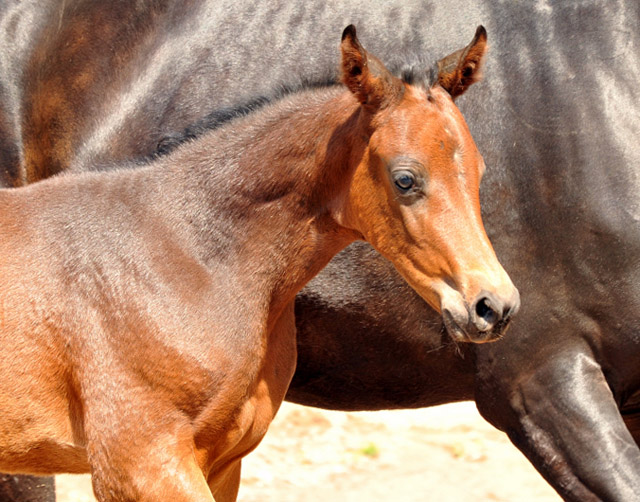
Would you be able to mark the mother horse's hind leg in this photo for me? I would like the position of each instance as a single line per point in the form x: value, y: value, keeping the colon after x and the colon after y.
x: 26, y: 488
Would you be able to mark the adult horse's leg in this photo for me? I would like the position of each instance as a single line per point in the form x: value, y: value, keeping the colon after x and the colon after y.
x: 26, y: 489
x: 632, y: 421
x: 556, y: 415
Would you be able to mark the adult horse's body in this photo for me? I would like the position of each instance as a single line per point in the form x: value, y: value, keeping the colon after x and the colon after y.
x: 148, y: 313
x: 557, y: 120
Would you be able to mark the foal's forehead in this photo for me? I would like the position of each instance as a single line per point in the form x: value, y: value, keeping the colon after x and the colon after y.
x: 431, y: 113
x: 435, y: 101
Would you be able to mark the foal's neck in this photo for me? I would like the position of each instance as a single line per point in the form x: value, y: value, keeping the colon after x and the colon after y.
x: 272, y: 187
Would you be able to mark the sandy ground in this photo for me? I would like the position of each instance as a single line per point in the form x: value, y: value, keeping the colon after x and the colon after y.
x: 443, y: 454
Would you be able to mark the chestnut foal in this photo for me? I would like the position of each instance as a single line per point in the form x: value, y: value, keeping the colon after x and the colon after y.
x: 146, y: 315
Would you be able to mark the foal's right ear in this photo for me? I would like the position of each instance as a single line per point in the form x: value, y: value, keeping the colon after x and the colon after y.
x: 366, y: 77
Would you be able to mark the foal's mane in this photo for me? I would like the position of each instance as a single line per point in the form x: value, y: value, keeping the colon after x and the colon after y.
x: 417, y: 74
x: 223, y: 116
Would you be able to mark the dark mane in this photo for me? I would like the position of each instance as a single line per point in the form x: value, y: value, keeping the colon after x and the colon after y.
x: 223, y: 116
x: 418, y: 74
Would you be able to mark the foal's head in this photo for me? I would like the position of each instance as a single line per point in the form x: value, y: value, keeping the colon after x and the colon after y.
x: 415, y: 191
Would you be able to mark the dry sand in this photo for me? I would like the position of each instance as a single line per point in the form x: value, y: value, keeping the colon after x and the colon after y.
x: 444, y: 454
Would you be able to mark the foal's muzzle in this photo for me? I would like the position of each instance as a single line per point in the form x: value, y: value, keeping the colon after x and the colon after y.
x: 485, y: 320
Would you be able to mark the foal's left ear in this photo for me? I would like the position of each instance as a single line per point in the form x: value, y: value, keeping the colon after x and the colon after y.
x: 459, y: 70
x: 365, y: 75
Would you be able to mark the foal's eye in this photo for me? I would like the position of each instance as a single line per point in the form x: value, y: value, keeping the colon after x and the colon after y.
x: 404, y: 180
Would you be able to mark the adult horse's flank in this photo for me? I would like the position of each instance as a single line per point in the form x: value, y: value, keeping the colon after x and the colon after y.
x: 149, y: 311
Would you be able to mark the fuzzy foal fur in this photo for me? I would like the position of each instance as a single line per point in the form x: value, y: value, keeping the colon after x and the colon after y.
x: 147, y: 314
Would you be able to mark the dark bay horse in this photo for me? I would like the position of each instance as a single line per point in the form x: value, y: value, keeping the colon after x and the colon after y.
x: 557, y: 120
x: 149, y: 311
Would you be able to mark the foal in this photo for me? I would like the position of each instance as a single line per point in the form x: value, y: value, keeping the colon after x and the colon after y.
x: 147, y: 314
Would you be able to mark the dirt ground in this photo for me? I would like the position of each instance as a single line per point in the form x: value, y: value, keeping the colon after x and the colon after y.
x: 442, y: 454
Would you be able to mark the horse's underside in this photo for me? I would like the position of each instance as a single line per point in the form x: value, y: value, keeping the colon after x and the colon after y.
x: 556, y: 120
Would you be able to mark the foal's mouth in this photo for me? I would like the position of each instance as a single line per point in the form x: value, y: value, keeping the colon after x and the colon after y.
x: 470, y: 334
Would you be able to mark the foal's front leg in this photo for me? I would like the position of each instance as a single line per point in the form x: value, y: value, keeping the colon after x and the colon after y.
x: 273, y: 382
x: 139, y: 446
x: 226, y: 484
x: 165, y: 468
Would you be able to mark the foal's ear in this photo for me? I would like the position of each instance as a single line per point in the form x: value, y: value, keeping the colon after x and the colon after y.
x: 459, y: 70
x: 365, y: 76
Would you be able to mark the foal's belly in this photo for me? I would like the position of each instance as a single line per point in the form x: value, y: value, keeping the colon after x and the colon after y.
x: 46, y: 457
x: 37, y: 434
x: 39, y: 420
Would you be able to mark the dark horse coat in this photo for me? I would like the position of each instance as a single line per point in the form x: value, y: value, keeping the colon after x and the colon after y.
x: 557, y: 120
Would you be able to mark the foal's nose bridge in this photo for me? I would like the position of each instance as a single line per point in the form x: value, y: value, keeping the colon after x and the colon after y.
x: 489, y: 310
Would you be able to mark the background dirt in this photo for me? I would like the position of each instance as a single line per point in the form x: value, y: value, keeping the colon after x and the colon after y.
x: 442, y: 454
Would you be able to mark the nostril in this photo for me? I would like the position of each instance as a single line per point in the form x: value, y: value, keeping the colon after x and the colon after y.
x: 486, y: 314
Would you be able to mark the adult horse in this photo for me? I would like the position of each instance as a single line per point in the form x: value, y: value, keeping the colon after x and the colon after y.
x: 556, y: 120
x: 148, y: 313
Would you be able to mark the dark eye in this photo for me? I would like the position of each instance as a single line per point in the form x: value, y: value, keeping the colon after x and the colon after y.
x: 404, y: 180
